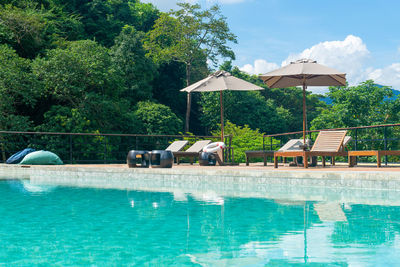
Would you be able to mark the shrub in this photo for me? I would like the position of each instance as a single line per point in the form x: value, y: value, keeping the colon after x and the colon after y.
x: 243, y: 139
x: 157, y: 118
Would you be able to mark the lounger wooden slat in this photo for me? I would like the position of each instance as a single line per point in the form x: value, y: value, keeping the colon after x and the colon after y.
x: 177, y: 145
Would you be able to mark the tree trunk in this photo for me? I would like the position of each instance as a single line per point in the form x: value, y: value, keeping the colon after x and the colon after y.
x: 188, y: 107
x: 189, y: 99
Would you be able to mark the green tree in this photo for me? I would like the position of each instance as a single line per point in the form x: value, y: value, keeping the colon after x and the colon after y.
x: 104, y: 20
x: 65, y: 119
x: 31, y: 30
x: 243, y: 139
x: 168, y: 80
x: 138, y: 70
x: 189, y: 35
x: 157, y: 118
x: 361, y: 105
x: 18, y: 90
x: 72, y: 74
x: 243, y: 108
x: 82, y: 77
x: 145, y: 14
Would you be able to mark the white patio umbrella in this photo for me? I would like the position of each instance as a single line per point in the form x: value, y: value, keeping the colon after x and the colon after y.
x: 221, y: 81
x: 304, y: 72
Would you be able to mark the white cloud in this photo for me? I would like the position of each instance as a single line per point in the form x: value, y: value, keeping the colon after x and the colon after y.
x: 389, y: 76
x: 260, y: 66
x: 350, y: 56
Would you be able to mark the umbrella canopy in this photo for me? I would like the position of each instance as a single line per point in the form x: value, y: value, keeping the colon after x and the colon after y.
x: 221, y: 81
x: 304, y: 72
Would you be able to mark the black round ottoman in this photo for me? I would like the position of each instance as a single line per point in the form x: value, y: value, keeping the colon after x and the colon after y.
x: 138, y: 159
x: 161, y: 159
x: 207, y: 159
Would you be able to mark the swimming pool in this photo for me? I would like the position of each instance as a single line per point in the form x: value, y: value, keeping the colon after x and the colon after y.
x: 61, y: 225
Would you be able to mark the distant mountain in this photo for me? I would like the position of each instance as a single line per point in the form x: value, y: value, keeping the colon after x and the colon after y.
x: 395, y: 93
x: 328, y: 100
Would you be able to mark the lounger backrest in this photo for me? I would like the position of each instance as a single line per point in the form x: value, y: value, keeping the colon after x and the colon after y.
x: 346, y: 141
x: 329, y: 141
x: 292, y: 145
x: 198, y: 146
x: 177, y: 145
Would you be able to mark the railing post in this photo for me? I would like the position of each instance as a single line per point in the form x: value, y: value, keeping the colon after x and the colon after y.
x: 385, y: 143
x: 263, y: 143
x: 70, y: 149
x: 105, y: 149
x: 136, y: 143
x: 355, y: 140
x: 230, y: 154
x: 271, y: 142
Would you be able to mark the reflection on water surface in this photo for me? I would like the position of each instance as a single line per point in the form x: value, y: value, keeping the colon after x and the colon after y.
x: 81, y: 226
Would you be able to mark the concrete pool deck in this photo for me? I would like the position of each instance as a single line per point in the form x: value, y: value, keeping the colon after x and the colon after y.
x: 337, y: 184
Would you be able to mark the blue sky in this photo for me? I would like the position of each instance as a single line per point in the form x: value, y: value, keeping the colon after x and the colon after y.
x: 361, y: 38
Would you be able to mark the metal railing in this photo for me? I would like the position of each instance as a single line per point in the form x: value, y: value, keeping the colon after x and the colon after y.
x: 373, y: 137
x: 92, y: 148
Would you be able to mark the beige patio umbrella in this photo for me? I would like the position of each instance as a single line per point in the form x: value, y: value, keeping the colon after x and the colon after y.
x: 304, y: 72
x: 221, y: 81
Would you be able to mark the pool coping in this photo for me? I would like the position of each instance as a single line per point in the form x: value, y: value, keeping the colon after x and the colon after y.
x: 374, y: 187
x: 234, y: 173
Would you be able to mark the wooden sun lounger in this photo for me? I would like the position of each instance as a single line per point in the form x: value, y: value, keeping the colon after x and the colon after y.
x: 192, y: 152
x: 177, y: 145
x: 377, y: 153
x: 258, y: 154
x: 291, y: 145
x: 327, y: 144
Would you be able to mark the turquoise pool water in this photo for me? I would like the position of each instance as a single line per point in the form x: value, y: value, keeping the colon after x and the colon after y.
x: 67, y: 226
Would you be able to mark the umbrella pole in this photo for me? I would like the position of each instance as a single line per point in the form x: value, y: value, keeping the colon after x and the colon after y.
x: 304, y: 115
x: 222, y: 115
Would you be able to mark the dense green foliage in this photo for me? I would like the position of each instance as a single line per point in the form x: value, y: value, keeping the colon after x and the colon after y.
x: 157, y: 118
x: 84, y: 66
x: 76, y: 66
x: 361, y: 105
x: 96, y: 66
x: 138, y: 70
x: 18, y: 90
x: 243, y: 138
x: 31, y: 29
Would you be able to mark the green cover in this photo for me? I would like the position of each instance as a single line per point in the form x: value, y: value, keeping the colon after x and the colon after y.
x: 41, y: 158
